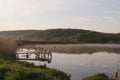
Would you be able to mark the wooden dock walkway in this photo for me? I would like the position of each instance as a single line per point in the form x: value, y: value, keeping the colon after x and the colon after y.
x: 39, y: 53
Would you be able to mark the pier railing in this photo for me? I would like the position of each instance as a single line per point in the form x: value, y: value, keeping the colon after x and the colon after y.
x: 33, y: 53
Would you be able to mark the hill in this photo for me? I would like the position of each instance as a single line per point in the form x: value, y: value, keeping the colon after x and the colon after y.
x: 62, y: 35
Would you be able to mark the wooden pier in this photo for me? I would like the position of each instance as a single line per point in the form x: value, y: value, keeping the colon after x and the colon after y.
x: 38, y: 53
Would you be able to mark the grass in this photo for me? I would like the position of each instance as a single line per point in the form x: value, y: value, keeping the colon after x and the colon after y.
x: 14, y: 70
x: 100, y: 76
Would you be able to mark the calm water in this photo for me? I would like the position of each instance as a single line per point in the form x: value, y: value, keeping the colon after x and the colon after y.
x: 83, y: 65
x: 104, y: 59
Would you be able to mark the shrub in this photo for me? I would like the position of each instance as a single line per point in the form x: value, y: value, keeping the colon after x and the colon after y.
x: 100, y: 76
x: 3, y: 71
x: 15, y: 70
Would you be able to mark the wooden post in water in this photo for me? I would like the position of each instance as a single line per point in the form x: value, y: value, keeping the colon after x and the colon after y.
x: 17, y: 56
x: 27, y: 55
x: 117, y: 75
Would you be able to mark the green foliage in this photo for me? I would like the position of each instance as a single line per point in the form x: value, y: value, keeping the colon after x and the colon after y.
x: 15, y: 70
x: 100, y: 76
x: 3, y: 71
x: 26, y: 64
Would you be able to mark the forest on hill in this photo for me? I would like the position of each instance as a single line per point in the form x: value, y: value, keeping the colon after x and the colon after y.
x: 63, y: 36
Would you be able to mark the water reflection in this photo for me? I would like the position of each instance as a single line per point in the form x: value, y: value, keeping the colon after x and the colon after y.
x: 83, y: 65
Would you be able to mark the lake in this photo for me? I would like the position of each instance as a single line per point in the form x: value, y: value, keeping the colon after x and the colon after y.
x: 85, y: 64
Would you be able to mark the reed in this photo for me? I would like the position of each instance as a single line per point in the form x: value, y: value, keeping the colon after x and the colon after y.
x: 8, y: 46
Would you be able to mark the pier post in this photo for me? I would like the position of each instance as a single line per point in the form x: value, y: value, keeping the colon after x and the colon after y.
x: 117, y: 75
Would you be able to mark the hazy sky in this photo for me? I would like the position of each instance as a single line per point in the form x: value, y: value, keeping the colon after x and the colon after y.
x: 98, y: 15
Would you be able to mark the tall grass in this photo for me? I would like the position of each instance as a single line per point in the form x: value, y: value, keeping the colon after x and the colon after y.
x: 8, y: 46
x: 11, y: 69
x: 100, y: 76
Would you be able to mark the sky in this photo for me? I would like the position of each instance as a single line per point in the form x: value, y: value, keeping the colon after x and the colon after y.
x: 95, y: 15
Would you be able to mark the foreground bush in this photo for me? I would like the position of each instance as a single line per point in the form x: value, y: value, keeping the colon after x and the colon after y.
x: 15, y: 70
x: 100, y: 76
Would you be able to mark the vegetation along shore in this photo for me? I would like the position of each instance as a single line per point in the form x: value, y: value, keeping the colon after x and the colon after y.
x: 12, y: 69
